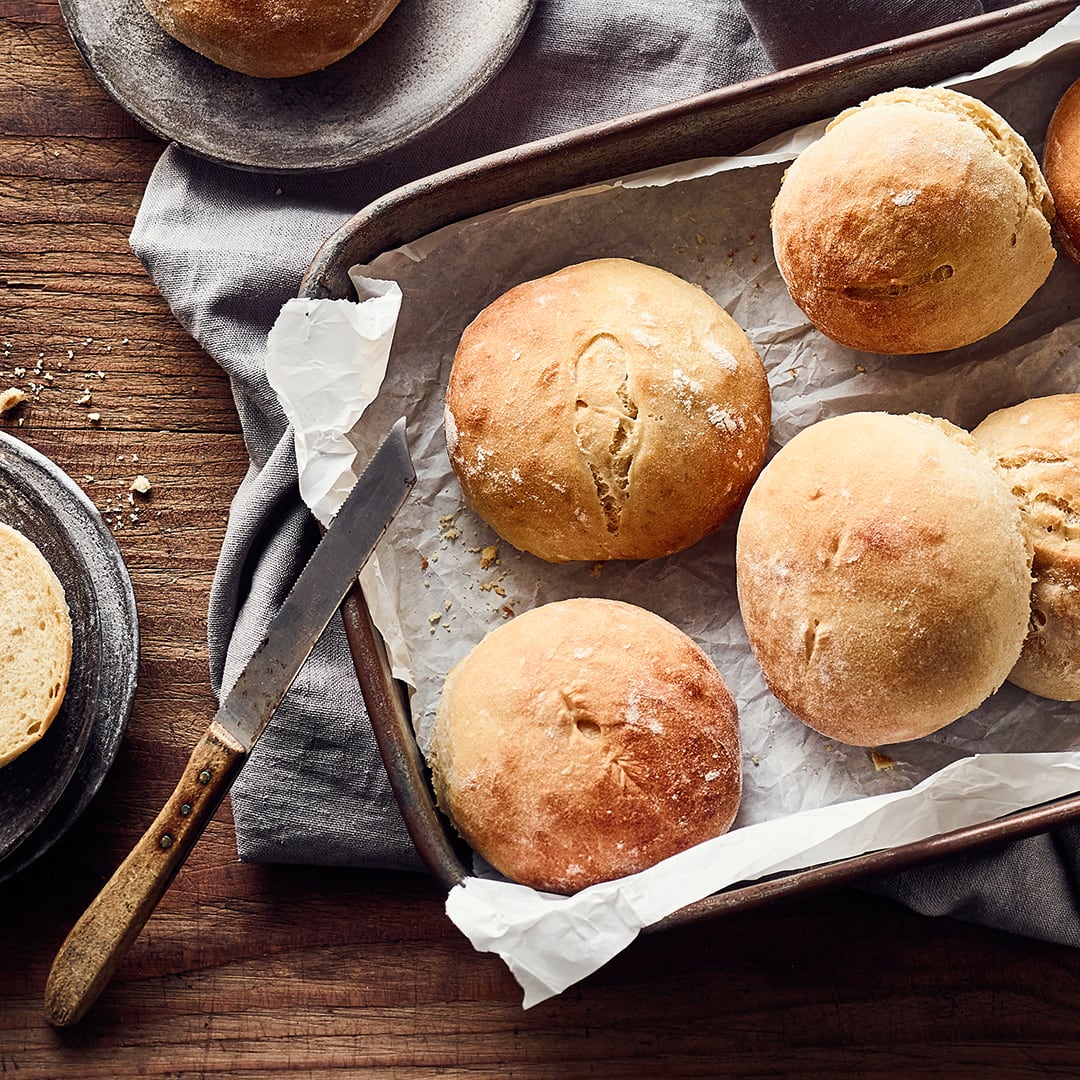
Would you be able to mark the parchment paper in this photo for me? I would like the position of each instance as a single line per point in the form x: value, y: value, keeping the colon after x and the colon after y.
x: 442, y: 579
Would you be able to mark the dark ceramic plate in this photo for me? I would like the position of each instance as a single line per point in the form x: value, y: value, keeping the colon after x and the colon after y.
x: 43, y: 790
x: 427, y: 59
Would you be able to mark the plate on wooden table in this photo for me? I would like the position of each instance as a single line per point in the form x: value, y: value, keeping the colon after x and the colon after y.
x: 718, y: 124
x: 45, y: 789
x: 425, y: 62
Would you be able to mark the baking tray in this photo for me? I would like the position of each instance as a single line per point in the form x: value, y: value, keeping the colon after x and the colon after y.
x: 720, y: 123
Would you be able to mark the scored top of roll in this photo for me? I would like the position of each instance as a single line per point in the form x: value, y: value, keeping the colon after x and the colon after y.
x: 883, y: 576
x: 918, y: 222
x: 585, y: 740
x: 610, y: 410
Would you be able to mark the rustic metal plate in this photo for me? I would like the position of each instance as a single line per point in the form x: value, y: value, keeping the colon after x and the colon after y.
x: 427, y: 60
x: 47, y: 787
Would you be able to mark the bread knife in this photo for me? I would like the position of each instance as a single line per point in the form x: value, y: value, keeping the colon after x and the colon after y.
x: 97, y: 943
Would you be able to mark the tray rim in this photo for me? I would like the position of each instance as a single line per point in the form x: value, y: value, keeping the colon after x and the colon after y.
x: 600, y: 152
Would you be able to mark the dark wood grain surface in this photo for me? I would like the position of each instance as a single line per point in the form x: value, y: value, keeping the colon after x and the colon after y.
x: 255, y: 971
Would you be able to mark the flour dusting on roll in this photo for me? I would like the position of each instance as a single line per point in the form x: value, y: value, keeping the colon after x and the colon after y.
x: 610, y: 410
x: 883, y: 576
x: 583, y: 741
x: 1036, y: 444
x: 918, y: 222
x: 271, y: 39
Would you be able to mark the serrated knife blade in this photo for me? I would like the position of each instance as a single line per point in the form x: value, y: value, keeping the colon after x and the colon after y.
x: 98, y: 941
x: 349, y: 541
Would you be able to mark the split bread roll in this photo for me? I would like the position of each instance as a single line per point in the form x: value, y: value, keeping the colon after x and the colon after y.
x: 1037, y: 447
x: 585, y: 740
x: 271, y: 39
x: 1061, y: 163
x: 35, y: 644
x: 918, y: 222
x: 610, y: 410
x: 883, y: 576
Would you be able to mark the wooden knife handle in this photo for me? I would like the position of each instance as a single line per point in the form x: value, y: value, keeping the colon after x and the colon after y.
x: 97, y: 943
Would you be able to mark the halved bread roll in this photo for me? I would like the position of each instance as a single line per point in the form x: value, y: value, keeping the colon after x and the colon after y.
x: 35, y: 644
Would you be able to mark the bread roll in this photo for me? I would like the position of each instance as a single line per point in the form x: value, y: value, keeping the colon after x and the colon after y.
x: 607, y: 411
x: 583, y: 741
x: 1061, y: 163
x: 918, y: 222
x: 271, y: 39
x: 1037, y: 447
x: 35, y: 658
x: 883, y: 576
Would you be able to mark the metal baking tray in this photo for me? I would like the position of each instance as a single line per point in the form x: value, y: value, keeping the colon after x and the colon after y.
x: 722, y: 122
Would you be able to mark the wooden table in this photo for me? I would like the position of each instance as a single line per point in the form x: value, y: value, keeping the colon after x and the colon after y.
x: 256, y: 970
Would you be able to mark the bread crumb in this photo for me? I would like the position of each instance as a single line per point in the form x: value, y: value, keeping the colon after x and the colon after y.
x: 596, y: 569
x: 11, y: 397
x: 94, y: 417
x: 882, y: 763
x: 140, y: 484
x: 85, y: 398
x: 489, y: 556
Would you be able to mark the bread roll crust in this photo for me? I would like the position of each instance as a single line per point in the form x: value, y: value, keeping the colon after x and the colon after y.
x: 35, y: 661
x: 1061, y: 163
x: 585, y: 740
x: 1036, y: 444
x: 610, y: 410
x: 883, y: 577
x: 271, y: 38
x: 918, y: 222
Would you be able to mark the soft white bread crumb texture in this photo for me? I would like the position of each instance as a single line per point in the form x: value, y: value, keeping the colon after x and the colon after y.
x: 35, y: 644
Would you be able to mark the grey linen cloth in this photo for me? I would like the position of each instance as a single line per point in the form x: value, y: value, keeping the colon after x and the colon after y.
x: 227, y: 248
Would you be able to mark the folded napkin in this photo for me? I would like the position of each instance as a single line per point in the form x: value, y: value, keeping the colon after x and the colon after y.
x: 227, y: 248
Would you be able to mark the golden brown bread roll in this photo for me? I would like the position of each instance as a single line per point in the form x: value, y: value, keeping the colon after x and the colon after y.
x: 883, y: 576
x: 583, y: 741
x: 1037, y: 447
x: 918, y: 222
x: 271, y: 38
x: 1061, y: 163
x: 607, y: 411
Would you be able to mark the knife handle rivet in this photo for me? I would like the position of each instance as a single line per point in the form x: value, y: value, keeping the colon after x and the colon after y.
x: 204, y: 776
x: 185, y: 809
x: 166, y: 841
